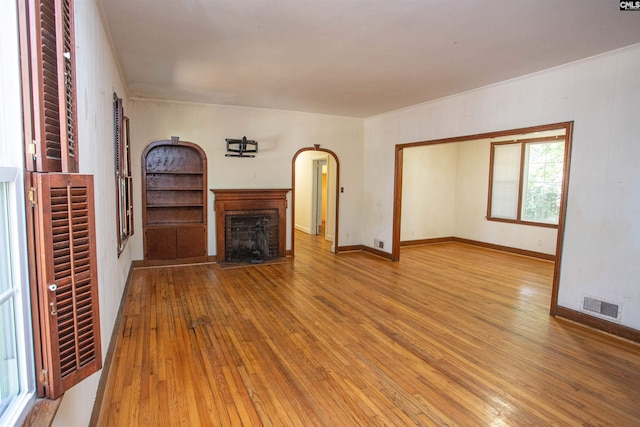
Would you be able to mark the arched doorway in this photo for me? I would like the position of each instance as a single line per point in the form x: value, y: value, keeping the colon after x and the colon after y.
x: 310, y: 162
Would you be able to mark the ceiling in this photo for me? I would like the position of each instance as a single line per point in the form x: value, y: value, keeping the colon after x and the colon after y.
x: 355, y: 58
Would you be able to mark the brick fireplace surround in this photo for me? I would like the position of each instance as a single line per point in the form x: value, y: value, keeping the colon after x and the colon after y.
x: 234, y: 203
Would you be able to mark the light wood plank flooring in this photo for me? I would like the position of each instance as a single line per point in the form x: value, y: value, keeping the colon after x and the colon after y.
x: 451, y: 335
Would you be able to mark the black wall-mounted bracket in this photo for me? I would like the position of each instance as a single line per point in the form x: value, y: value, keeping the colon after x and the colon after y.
x: 241, y: 147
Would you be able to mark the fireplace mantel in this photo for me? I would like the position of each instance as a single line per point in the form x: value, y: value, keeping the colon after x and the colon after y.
x: 250, y: 194
x: 234, y: 201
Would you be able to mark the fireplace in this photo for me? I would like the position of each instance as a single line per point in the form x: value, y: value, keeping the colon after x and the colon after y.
x: 251, y: 236
x: 250, y: 225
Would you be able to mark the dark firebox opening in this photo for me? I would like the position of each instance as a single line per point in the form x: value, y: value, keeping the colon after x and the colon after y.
x: 251, y: 238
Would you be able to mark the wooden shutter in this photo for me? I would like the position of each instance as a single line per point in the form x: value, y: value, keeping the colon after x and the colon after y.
x: 118, y: 131
x: 67, y: 291
x: 124, y: 190
x: 48, y: 48
x: 127, y: 158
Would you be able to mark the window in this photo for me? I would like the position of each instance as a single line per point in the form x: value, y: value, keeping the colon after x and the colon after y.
x: 542, y: 181
x: 17, y: 370
x: 9, y: 375
x: 16, y: 363
x: 124, y: 191
x: 525, y: 181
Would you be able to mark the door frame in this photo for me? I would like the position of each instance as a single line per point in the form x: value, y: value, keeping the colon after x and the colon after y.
x: 397, y: 197
x: 316, y: 147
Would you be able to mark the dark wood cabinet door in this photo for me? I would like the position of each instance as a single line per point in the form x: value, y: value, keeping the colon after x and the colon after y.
x: 191, y: 241
x: 160, y: 243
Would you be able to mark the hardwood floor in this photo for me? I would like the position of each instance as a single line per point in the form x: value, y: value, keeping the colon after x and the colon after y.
x: 451, y: 335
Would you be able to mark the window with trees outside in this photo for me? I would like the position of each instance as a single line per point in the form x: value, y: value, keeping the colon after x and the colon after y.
x: 525, y: 181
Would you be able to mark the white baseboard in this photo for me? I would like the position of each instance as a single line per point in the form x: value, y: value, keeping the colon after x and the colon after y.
x: 304, y: 229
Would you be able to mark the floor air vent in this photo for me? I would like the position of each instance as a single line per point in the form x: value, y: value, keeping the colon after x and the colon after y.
x: 600, y: 307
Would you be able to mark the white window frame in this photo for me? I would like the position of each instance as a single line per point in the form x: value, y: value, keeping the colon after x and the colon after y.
x: 12, y: 173
x: 495, y: 205
x: 17, y: 409
x: 526, y: 165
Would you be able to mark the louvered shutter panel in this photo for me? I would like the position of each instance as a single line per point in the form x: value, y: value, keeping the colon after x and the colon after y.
x: 118, y: 131
x: 67, y: 280
x: 127, y: 142
x: 68, y: 92
x: 130, y: 202
x: 52, y: 73
x: 118, y: 147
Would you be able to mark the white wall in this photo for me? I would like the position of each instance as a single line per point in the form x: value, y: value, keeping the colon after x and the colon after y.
x: 11, y: 151
x: 97, y: 78
x: 601, y: 94
x: 428, y: 192
x: 444, y: 193
x: 280, y: 134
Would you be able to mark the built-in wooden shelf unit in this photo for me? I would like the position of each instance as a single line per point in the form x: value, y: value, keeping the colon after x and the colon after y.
x: 174, y: 201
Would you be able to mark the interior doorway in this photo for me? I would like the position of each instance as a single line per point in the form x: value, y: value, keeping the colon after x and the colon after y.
x: 315, y: 201
x: 319, y: 203
x: 514, y: 136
